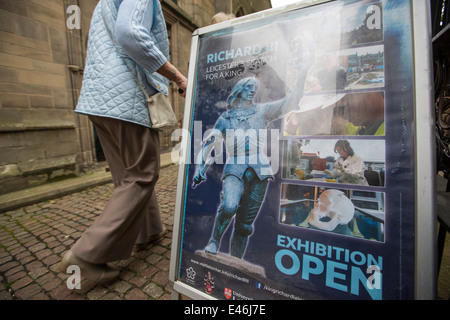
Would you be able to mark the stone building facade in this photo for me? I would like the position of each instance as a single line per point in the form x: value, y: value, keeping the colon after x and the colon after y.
x: 42, y: 53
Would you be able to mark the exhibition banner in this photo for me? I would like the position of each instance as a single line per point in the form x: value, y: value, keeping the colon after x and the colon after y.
x: 299, y: 176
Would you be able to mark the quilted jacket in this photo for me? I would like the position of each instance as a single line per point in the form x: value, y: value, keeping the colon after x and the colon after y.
x: 124, y: 35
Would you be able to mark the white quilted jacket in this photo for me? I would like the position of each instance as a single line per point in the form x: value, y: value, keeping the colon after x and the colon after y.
x: 109, y: 88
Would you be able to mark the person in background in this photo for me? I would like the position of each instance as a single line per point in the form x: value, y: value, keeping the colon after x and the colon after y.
x: 349, y: 167
x: 126, y: 37
x: 221, y: 17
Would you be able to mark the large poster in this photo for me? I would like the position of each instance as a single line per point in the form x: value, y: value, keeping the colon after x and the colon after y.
x: 300, y: 179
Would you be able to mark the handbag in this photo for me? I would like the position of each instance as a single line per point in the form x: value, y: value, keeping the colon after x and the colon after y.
x: 159, y: 108
x: 158, y: 105
x: 161, y: 112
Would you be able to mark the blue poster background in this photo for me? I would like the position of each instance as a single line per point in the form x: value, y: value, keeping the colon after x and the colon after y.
x: 305, y: 263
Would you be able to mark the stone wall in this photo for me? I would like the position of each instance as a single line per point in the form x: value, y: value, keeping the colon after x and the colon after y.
x: 38, y: 140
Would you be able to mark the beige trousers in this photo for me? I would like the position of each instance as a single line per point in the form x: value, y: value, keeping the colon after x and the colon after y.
x: 131, y: 215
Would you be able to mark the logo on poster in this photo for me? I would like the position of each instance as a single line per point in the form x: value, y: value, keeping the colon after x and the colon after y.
x: 208, y: 283
x: 228, y: 293
x: 258, y: 285
x: 190, y: 273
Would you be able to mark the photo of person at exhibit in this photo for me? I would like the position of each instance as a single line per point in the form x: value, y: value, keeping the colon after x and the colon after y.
x: 353, y: 162
x: 349, y: 167
x: 247, y: 171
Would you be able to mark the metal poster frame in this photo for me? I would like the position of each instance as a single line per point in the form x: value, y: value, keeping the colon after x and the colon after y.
x: 421, y: 277
x: 426, y: 219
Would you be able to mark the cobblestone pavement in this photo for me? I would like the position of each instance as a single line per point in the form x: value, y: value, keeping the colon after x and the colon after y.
x: 34, y: 238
